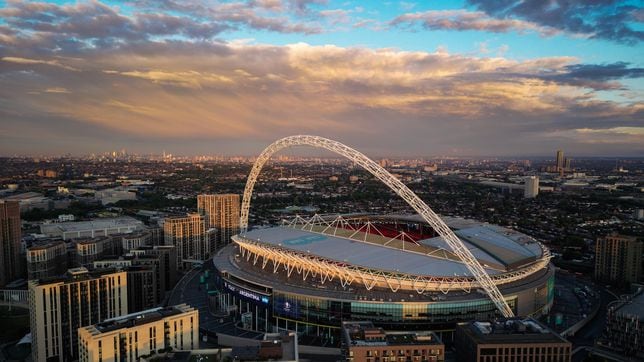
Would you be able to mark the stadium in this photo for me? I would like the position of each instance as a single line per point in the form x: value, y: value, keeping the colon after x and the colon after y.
x: 403, y: 272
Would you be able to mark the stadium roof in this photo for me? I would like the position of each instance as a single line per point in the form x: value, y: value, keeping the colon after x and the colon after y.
x: 498, y: 250
x: 359, y: 253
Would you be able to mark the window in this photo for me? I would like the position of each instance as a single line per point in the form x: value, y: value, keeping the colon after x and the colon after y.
x: 488, y: 351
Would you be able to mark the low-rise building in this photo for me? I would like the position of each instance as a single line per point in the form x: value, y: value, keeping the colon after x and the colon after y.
x: 141, y: 334
x: 114, y: 195
x: 362, y: 341
x: 512, y: 340
x: 93, y: 228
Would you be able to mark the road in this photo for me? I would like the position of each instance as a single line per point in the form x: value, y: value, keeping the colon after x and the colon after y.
x: 190, y: 291
x: 591, y: 331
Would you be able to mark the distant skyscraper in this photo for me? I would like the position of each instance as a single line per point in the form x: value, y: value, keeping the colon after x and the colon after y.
x: 60, y: 306
x: 9, y: 241
x: 560, y: 160
x: 130, y: 337
x: 568, y: 164
x: 531, y: 187
x: 188, y: 234
x: 221, y: 213
x: 618, y: 259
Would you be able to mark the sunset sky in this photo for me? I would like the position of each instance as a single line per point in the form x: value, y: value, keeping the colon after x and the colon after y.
x: 391, y: 78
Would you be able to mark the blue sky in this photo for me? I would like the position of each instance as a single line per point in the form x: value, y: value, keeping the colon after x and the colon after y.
x: 476, y: 77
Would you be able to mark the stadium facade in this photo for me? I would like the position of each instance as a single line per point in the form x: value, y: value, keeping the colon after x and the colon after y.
x: 309, y: 275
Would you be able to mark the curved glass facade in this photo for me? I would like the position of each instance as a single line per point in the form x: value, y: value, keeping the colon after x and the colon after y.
x: 317, y: 319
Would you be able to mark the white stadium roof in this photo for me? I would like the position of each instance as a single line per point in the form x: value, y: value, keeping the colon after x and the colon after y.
x: 496, y: 248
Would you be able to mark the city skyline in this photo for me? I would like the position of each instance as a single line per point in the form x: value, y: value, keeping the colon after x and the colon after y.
x: 396, y: 78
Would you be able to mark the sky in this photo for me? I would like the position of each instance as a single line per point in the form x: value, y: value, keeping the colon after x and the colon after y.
x: 390, y: 78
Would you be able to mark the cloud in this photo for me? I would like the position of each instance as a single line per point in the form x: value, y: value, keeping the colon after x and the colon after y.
x: 462, y: 20
x: 54, y: 63
x: 609, y: 20
x: 190, y: 79
x: 303, y: 6
x: 57, y: 90
x: 158, y: 75
x: 608, y: 136
x: 185, y: 95
x: 94, y: 24
x: 597, y: 76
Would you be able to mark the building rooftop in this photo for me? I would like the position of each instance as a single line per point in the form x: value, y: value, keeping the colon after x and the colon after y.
x: 45, y: 244
x: 513, y: 330
x: 75, y: 274
x: 96, y: 240
x: 96, y: 224
x: 364, y: 333
x: 137, y: 234
x: 139, y: 318
x: 633, y: 307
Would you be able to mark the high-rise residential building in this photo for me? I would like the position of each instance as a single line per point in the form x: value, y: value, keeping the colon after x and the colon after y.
x: 568, y: 164
x: 188, y: 234
x: 48, y: 259
x: 362, y: 341
x: 161, y: 259
x: 10, y: 237
x: 91, y: 250
x: 140, y: 334
x: 141, y: 288
x: 165, y: 259
x: 156, y: 235
x: 60, y: 306
x: 618, y: 259
x: 511, y: 340
x: 531, y: 187
x: 136, y: 240
x: 222, y: 214
x: 560, y: 160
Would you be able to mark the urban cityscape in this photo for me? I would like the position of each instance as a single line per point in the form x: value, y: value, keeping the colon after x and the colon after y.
x: 321, y: 180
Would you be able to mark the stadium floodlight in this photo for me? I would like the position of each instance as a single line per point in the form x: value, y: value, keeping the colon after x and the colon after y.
x: 395, y: 185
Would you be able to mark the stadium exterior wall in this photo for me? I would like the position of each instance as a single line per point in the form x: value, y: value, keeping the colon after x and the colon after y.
x: 316, y: 312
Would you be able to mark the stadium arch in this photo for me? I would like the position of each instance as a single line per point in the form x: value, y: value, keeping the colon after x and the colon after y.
x: 455, y: 244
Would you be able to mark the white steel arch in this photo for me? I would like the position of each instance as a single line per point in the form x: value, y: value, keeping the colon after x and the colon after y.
x: 395, y: 185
